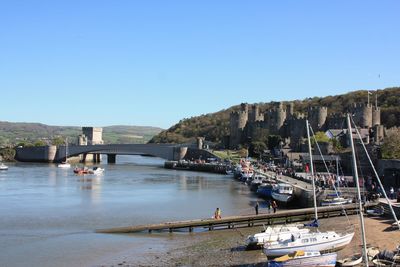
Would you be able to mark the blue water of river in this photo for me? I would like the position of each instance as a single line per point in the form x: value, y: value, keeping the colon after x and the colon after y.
x: 48, y: 215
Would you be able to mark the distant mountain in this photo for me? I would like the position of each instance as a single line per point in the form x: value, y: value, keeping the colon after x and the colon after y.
x: 12, y: 133
x: 215, y: 126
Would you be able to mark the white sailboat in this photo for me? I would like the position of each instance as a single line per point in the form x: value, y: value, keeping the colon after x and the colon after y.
x: 65, y: 164
x: 309, y: 242
x: 272, y: 234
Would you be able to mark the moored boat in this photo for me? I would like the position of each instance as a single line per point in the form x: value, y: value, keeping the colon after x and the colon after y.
x: 304, y: 258
x: 351, y: 261
x: 273, y: 234
x: 81, y: 171
x: 96, y: 170
x: 282, y: 192
x: 316, y: 241
x: 3, y: 167
x: 335, y: 201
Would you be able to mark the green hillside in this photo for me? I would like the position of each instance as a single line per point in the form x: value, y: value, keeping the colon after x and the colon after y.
x: 215, y: 126
x: 14, y: 133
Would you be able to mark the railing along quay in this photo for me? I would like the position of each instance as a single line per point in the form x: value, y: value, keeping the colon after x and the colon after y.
x: 287, y: 216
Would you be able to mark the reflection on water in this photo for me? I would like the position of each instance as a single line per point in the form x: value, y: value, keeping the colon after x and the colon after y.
x: 46, y: 210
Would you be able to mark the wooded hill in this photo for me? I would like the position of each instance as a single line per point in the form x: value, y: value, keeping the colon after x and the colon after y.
x: 12, y: 133
x: 215, y: 126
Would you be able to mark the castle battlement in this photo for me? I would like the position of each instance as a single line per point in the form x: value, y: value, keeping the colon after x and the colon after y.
x: 283, y: 120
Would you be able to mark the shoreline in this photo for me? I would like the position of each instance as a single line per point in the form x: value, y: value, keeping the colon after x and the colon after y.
x: 227, y: 247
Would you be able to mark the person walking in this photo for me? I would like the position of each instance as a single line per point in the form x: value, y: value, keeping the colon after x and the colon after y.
x: 391, y: 192
x: 274, y: 205
x: 256, y: 208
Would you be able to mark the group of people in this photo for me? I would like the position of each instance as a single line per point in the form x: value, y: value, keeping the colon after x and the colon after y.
x: 270, y: 204
x: 392, y: 194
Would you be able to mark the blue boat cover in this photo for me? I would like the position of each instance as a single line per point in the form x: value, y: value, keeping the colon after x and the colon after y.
x: 314, y: 223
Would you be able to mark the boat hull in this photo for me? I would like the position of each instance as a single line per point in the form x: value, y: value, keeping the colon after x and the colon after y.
x: 322, y: 260
x: 281, y: 197
x: 325, y: 246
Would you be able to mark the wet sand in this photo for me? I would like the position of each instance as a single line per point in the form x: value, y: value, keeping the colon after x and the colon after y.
x: 227, y: 247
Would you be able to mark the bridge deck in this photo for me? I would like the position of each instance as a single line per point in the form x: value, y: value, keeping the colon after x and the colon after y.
x: 288, y: 216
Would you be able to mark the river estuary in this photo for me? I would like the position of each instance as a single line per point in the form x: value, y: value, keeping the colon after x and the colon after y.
x: 48, y: 215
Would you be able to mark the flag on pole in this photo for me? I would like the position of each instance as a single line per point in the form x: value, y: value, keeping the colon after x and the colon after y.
x: 370, y: 93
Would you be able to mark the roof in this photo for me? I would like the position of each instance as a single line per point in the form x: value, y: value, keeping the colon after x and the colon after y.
x: 306, y: 158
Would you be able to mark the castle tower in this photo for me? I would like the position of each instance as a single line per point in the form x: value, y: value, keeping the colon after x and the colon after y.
x: 238, y: 121
x: 254, y: 114
x: 317, y: 117
x: 376, y: 116
x: 280, y: 117
x: 290, y: 109
x: 363, y: 115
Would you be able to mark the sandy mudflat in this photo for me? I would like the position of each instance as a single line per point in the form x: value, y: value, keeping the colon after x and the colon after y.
x: 226, y: 247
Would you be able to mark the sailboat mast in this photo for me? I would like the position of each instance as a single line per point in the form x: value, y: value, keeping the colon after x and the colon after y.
x: 312, y: 170
x: 355, y: 172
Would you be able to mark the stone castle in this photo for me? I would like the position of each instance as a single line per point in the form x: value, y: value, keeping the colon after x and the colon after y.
x: 290, y: 125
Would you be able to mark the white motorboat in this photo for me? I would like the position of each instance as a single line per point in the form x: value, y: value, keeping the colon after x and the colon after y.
x: 3, y: 167
x: 96, y: 170
x: 282, y: 192
x: 305, y: 258
x: 273, y: 234
x: 335, y: 201
x: 64, y: 165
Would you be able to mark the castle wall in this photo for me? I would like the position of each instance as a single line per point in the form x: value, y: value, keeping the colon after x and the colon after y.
x: 284, y: 122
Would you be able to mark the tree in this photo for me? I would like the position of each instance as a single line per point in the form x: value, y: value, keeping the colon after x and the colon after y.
x: 39, y: 143
x: 257, y: 148
x: 58, y: 141
x: 320, y: 137
x: 391, y: 144
x: 274, y: 141
x: 243, y: 153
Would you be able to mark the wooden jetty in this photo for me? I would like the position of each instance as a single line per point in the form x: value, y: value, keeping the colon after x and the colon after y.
x: 287, y: 216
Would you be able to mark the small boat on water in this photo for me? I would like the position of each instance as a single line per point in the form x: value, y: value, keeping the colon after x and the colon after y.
x: 64, y: 165
x: 81, y: 171
x: 265, y: 190
x: 282, y: 193
x: 3, y: 167
x: 352, y: 261
x: 96, y: 170
x: 304, y: 258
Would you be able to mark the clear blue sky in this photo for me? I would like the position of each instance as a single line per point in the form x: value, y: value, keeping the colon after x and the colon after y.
x: 155, y: 62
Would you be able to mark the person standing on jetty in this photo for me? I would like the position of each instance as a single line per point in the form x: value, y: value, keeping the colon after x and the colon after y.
x: 217, y: 214
x: 256, y: 208
x: 274, y: 205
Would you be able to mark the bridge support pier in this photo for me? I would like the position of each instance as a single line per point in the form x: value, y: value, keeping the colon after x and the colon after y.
x: 111, y: 158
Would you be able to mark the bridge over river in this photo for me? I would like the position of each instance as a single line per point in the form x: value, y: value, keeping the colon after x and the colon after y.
x: 58, y: 154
